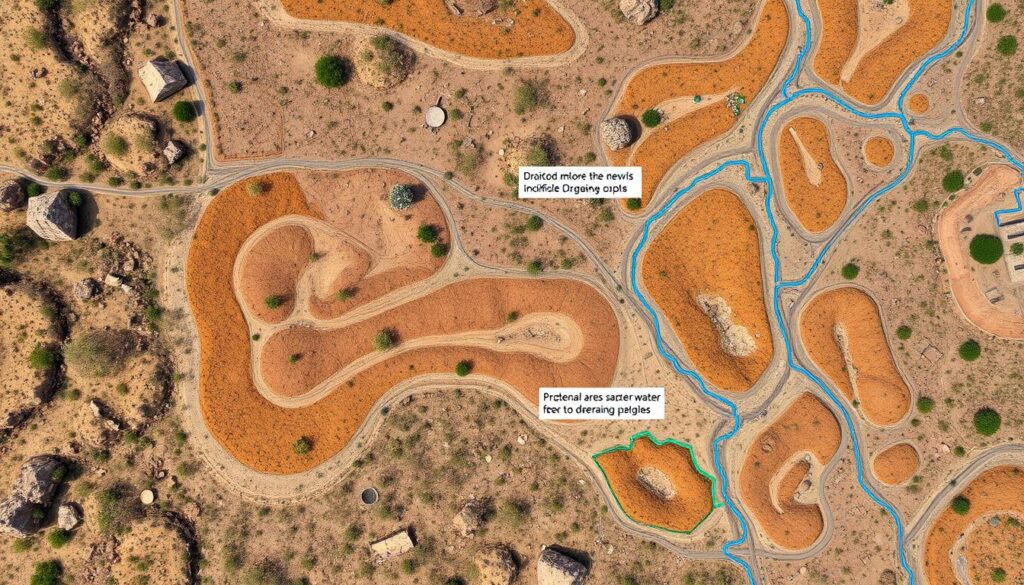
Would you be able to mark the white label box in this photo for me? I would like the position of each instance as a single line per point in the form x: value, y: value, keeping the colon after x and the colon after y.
x: 580, y: 182
x: 601, y: 404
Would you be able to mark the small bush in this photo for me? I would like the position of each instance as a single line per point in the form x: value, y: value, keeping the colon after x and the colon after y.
x: 986, y: 248
x: 384, y: 340
x: 48, y: 572
x: 331, y: 71
x: 114, y: 145
x: 98, y: 353
x: 439, y: 250
x: 184, y: 112
x: 995, y: 13
x: 987, y: 422
x: 903, y: 332
x: 401, y: 197
x: 534, y: 223
x: 651, y: 118
x: 274, y: 301
x: 538, y: 156
x: 998, y: 575
x: 235, y: 87
x: 463, y: 368
x: 1007, y: 45
x: 925, y: 404
x: 969, y: 350
x: 34, y: 189
x: 35, y: 38
x: 960, y: 505
x: 47, y: 5
x: 526, y: 97
x: 1017, y: 249
x: 427, y: 234
x: 302, y: 446
x: 634, y: 204
x: 953, y: 181
x: 534, y: 267
x: 58, y: 537
x: 850, y: 271
x: 41, y: 358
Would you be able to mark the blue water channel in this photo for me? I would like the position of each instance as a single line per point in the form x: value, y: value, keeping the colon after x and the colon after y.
x: 778, y: 285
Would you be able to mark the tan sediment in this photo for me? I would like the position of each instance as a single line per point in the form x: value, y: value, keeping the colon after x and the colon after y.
x: 692, y: 499
x: 842, y: 332
x: 878, y: 69
x: 997, y: 490
x: 918, y: 104
x: 876, y: 22
x: 658, y: 149
x: 988, y: 543
x: 807, y: 426
x: 271, y: 267
x: 896, y: 464
x: 536, y: 30
x: 814, y: 187
x: 711, y: 248
x: 879, y: 151
x: 260, y: 434
x: 995, y: 184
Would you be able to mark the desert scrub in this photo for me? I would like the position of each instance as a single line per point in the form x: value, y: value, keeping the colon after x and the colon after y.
x: 302, y: 446
x: 114, y: 145
x: 427, y: 233
x: 1007, y: 45
x: 463, y: 368
x: 969, y: 350
x: 960, y: 505
x: 184, y: 112
x: 534, y: 223
x: 526, y: 97
x: 98, y: 353
x: 995, y: 13
x: 331, y: 71
x: 274, y: 301
x: 42, y: 358
x: 850, y: 271
x: 384, y: 340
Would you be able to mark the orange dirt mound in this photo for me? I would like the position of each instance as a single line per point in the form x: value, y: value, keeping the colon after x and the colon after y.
x: 879, y: 70
x: 807, y: 426
x: 896, y: 464
x: 678, y: 498
x: 849, y: 316
x: 271, y: 267
x: 260, y: 434
x: 918, y: 104
x: 879, y: 151
x: 711, y: 247
x: 816, y: 203
x: 658, y: 149
x: 997, y: 490
x: 537, y: 28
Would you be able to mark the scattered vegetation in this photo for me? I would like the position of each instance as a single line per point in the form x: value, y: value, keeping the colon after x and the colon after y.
x: 526, y: 97
x: 48, y: 572
x: 98, y: 353
x: 274, y: 301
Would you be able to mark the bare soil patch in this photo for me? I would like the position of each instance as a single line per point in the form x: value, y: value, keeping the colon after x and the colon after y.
x: 270, y: 269
x: 918, y: 104
x: 813, y: 185
x: 711, y: 248
x: 529, y: 28
x: 896, y: 464
x: 879, y: 151
x: 658, y: 484
x: 987, y: 545
x: 808, y: 427
x: 842, y: 332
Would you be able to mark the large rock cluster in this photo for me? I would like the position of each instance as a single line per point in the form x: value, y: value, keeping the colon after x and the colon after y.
x: 616, y: 133
x: 470, y: 518
x: 556, y: 568
x: 12, y: 196
x: 639, y: 12
x: 23, y: 512
x: 52, y: 217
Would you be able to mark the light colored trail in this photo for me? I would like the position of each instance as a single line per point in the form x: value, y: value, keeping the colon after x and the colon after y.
x: 811, y: 168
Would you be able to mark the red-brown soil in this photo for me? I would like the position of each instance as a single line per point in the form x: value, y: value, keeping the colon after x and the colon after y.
x: 260, y: 434
x: 998, y: 490
x: 271, y: 268
x: 746, y: 73
x: 896, y: 464
x: 816, y: 207
x: 807, y: 426
x: 883, y: 394
x: 537, y: 30
x: 691, y: 501
x: 711, y: 247
x: 987, y: 545
x: 879, y: 151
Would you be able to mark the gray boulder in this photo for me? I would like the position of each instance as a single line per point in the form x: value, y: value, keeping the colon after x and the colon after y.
x: 69, y: 516
x: 86, y: 289
x: 174, y: 151
x: 616, y: 133
x: 470, y: 518
x: 555, y: 568
x: 52, y: 217
x: 12, y: 196
x: 639, y: 12
x: 23, y: 512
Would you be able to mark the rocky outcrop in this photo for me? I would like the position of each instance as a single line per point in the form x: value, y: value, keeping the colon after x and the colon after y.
x: 23, y: 512
x: 470, y: 518
x: 556, y: 568
x: 656, y: 482
x: 174, y: 151
x: 86, y: 289
x: 496, y: 565
x: 12, y: 196
x: 734, y: 339
x: 639, y: 12
x: 52, y: 217
x: 616, y: 133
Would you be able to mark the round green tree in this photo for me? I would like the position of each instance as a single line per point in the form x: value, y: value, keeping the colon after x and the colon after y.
x: 427, y: 233
x: 331, y: 71
x: 953, y: 181
x: 1007, y: 45
x: 986, y: 248
x: 995, y: 13
x: 1017, y: 249
x: 960, y: 505
x: 184, y: 112
x: 463, y: 368
x: 903, y: 332
x: 651, y: 118
x: 987, y: 422
x: 925, y: 404
x: 970, y: 350
x: 850, y: 271
x: 633, y: 204
x: 302, y: 446
x: 534, y: 223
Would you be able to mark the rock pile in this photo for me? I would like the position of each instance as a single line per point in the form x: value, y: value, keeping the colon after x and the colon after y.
x: 69, y: 516
x: 639, y: 12
x: 12, y: 196
x: 616, y: 133
x: 470, y: 518
x: 734, y: 339
x: 23, y: 512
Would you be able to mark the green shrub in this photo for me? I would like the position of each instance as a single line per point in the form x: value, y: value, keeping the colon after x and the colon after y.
x: 953, y: 181
x: 384, y: 340
x: 48, y: 572
x: 427, y: 233
x: 114, y: 145
x: 998, y: 575
x: 986, y: 248
x: 1007, y: 45
x: 34, y: 189
x: 463, y: 368
x: 534, y: 267
x: 666, y: 5
x: 651, y: 118
x: 960, y: 505
x: 58, y: 537
x: 534, y: 223
x: 401, y: 197
x: 41, y: 358
x: 76, y: 198
x: 987, y: 422
x: 184, y: 112
x: 439, y: 250
x: 526, y: 97
x: 903, y: 332
x: 18, y: 242
x: 634, y: 204
x: 995, y: 13
x: 1017, y: 249
x: 970, y: 350
x: 538, y: 156
x: 98, y: 353
x: 274, y: 301
x: 850, y: 271
x: 331, y: 71
x: 35, y: 38
x: 302, y: 446
x: 117, y: 509
x: 925, y: 404
x: 235, y: 87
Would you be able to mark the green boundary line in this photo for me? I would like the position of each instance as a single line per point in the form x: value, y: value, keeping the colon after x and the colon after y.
x: 715, y: 504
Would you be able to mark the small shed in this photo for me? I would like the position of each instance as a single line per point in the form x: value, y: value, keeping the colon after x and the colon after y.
x: 162, y: 79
